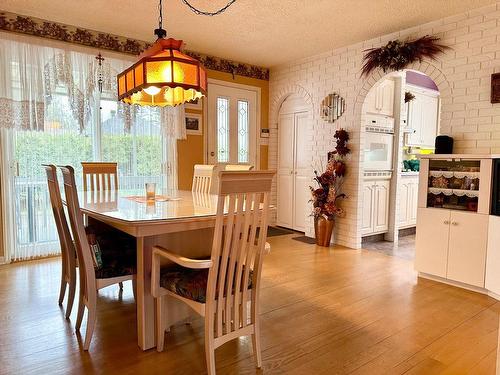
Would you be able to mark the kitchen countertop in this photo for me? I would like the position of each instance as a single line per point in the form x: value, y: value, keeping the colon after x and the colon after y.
x: 460, y: 156
x: 410, y: 173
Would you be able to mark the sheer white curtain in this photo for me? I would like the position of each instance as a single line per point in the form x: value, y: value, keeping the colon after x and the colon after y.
x: 51, y: 111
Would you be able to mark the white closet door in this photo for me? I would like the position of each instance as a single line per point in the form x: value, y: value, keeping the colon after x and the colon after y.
x: 302, y: 167
x: 286, y: 128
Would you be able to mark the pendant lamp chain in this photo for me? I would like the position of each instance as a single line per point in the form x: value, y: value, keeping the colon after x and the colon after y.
x: 160, y: 32
x: 205, y: 13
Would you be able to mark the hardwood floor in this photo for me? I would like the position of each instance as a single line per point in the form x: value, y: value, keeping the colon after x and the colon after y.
x: 336, y: 311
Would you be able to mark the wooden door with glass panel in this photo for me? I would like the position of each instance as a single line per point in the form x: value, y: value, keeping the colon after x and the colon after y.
x: 232, y: 125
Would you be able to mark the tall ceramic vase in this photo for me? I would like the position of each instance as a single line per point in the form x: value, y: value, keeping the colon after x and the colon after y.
x: 323, y: 229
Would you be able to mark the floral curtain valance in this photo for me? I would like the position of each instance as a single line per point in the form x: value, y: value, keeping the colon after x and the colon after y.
x: 30, y: 76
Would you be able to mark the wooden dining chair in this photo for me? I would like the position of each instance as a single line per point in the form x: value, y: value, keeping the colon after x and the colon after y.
x: 202, y: 178
x: 225, y: 288
x: 98, y: 176
x: 117, y: 255
x: 68, y: 254
x: 238, y: 167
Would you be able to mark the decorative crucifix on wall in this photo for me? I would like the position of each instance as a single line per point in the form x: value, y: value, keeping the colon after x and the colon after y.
x: 100, y: 79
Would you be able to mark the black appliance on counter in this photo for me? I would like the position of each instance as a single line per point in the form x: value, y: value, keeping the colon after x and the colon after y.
x: 444, y: 145
x: 495, y: 192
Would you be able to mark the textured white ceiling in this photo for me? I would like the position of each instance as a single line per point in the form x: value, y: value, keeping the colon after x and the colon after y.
x: 262, y: 32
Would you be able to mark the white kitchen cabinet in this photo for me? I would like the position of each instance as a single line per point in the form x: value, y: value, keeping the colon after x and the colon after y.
x: 467, y: 248
x: 452, y: 244
x: 386, y: 95
x: 408, y: 201
x: 293, y: 171
x: 433, y: 227
x: 380, y: 100
x: 368, y: 207
x: 375, y: 206
x: 492, y: 281
x: 423, y: 118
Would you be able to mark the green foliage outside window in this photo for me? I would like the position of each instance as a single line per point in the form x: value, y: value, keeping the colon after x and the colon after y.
x: 36, y: 148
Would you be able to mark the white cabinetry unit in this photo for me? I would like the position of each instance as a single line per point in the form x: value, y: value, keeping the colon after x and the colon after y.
x: 423, y: 117
x: 492, y: 282
x: 453, y: 221
x: 408, y: 201
x: 433, y: 230
x: 452, y: 244
x: 467, y: 248
x: 293, y: 171
x: 380, y: 100
x: 375, y: 206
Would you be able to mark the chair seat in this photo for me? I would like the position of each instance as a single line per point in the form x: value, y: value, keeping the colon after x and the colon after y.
x: 117, y: 253
x: 189, y: 283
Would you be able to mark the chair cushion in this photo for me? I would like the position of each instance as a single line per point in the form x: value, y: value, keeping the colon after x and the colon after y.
x: 114, y: 250
x: 189, y: 283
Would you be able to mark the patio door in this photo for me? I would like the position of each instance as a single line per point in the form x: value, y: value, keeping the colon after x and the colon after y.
x: 232, y: 124
x: 140, y: 153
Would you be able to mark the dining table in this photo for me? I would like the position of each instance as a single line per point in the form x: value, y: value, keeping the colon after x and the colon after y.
x: 180, y: 221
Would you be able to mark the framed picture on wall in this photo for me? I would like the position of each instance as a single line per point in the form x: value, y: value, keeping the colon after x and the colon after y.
x: 196, y: 105
x: 194, y: 123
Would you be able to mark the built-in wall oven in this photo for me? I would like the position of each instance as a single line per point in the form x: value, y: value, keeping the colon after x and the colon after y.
x: 379, y: 140
x: 378, y: 151
x: 495, y: 191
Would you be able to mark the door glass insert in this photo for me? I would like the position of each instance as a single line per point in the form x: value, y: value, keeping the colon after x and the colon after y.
x: 223, y: 130
x: 243, y: 131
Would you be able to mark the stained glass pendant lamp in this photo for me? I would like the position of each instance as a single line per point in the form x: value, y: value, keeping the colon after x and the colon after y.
x: 163, y: 76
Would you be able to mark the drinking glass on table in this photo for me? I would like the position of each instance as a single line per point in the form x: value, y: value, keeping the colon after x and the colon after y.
x: 150, y: 191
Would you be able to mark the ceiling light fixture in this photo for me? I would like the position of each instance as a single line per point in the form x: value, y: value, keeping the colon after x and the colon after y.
x: 206, y: 13
x: 163, y: 76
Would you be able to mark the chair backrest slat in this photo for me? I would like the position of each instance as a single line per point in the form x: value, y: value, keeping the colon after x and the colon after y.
x: 202, y: 178
x: 100, y: 175
x: 86, y: 264
x: 67, y: 248
x: 239, y: 239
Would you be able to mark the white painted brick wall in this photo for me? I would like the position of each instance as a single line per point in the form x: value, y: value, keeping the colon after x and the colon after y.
x: 462, y: 75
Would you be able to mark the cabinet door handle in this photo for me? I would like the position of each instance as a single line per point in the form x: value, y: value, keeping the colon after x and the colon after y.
x: 291, y: 172
x: 446, y: 222
x: 454, y: 223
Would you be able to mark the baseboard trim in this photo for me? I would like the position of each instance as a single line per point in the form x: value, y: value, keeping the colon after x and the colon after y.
x: 493, y: 295
x: 458, y: 284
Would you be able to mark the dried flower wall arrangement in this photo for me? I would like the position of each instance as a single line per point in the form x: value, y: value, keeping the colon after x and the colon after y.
x: 397, y: 55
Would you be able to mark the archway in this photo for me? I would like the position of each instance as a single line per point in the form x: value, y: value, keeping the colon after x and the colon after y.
x: 390, y: 139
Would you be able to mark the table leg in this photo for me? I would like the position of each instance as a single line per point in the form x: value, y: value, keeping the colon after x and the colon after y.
x: 145, y: 301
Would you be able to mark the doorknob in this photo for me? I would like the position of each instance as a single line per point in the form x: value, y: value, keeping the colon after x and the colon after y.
x: 212, y: 153
x: 446, y: 222
x: 291, y: 172
x: 454, y: 223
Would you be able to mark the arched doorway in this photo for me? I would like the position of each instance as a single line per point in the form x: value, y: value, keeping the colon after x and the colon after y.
x: 400, y: 118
